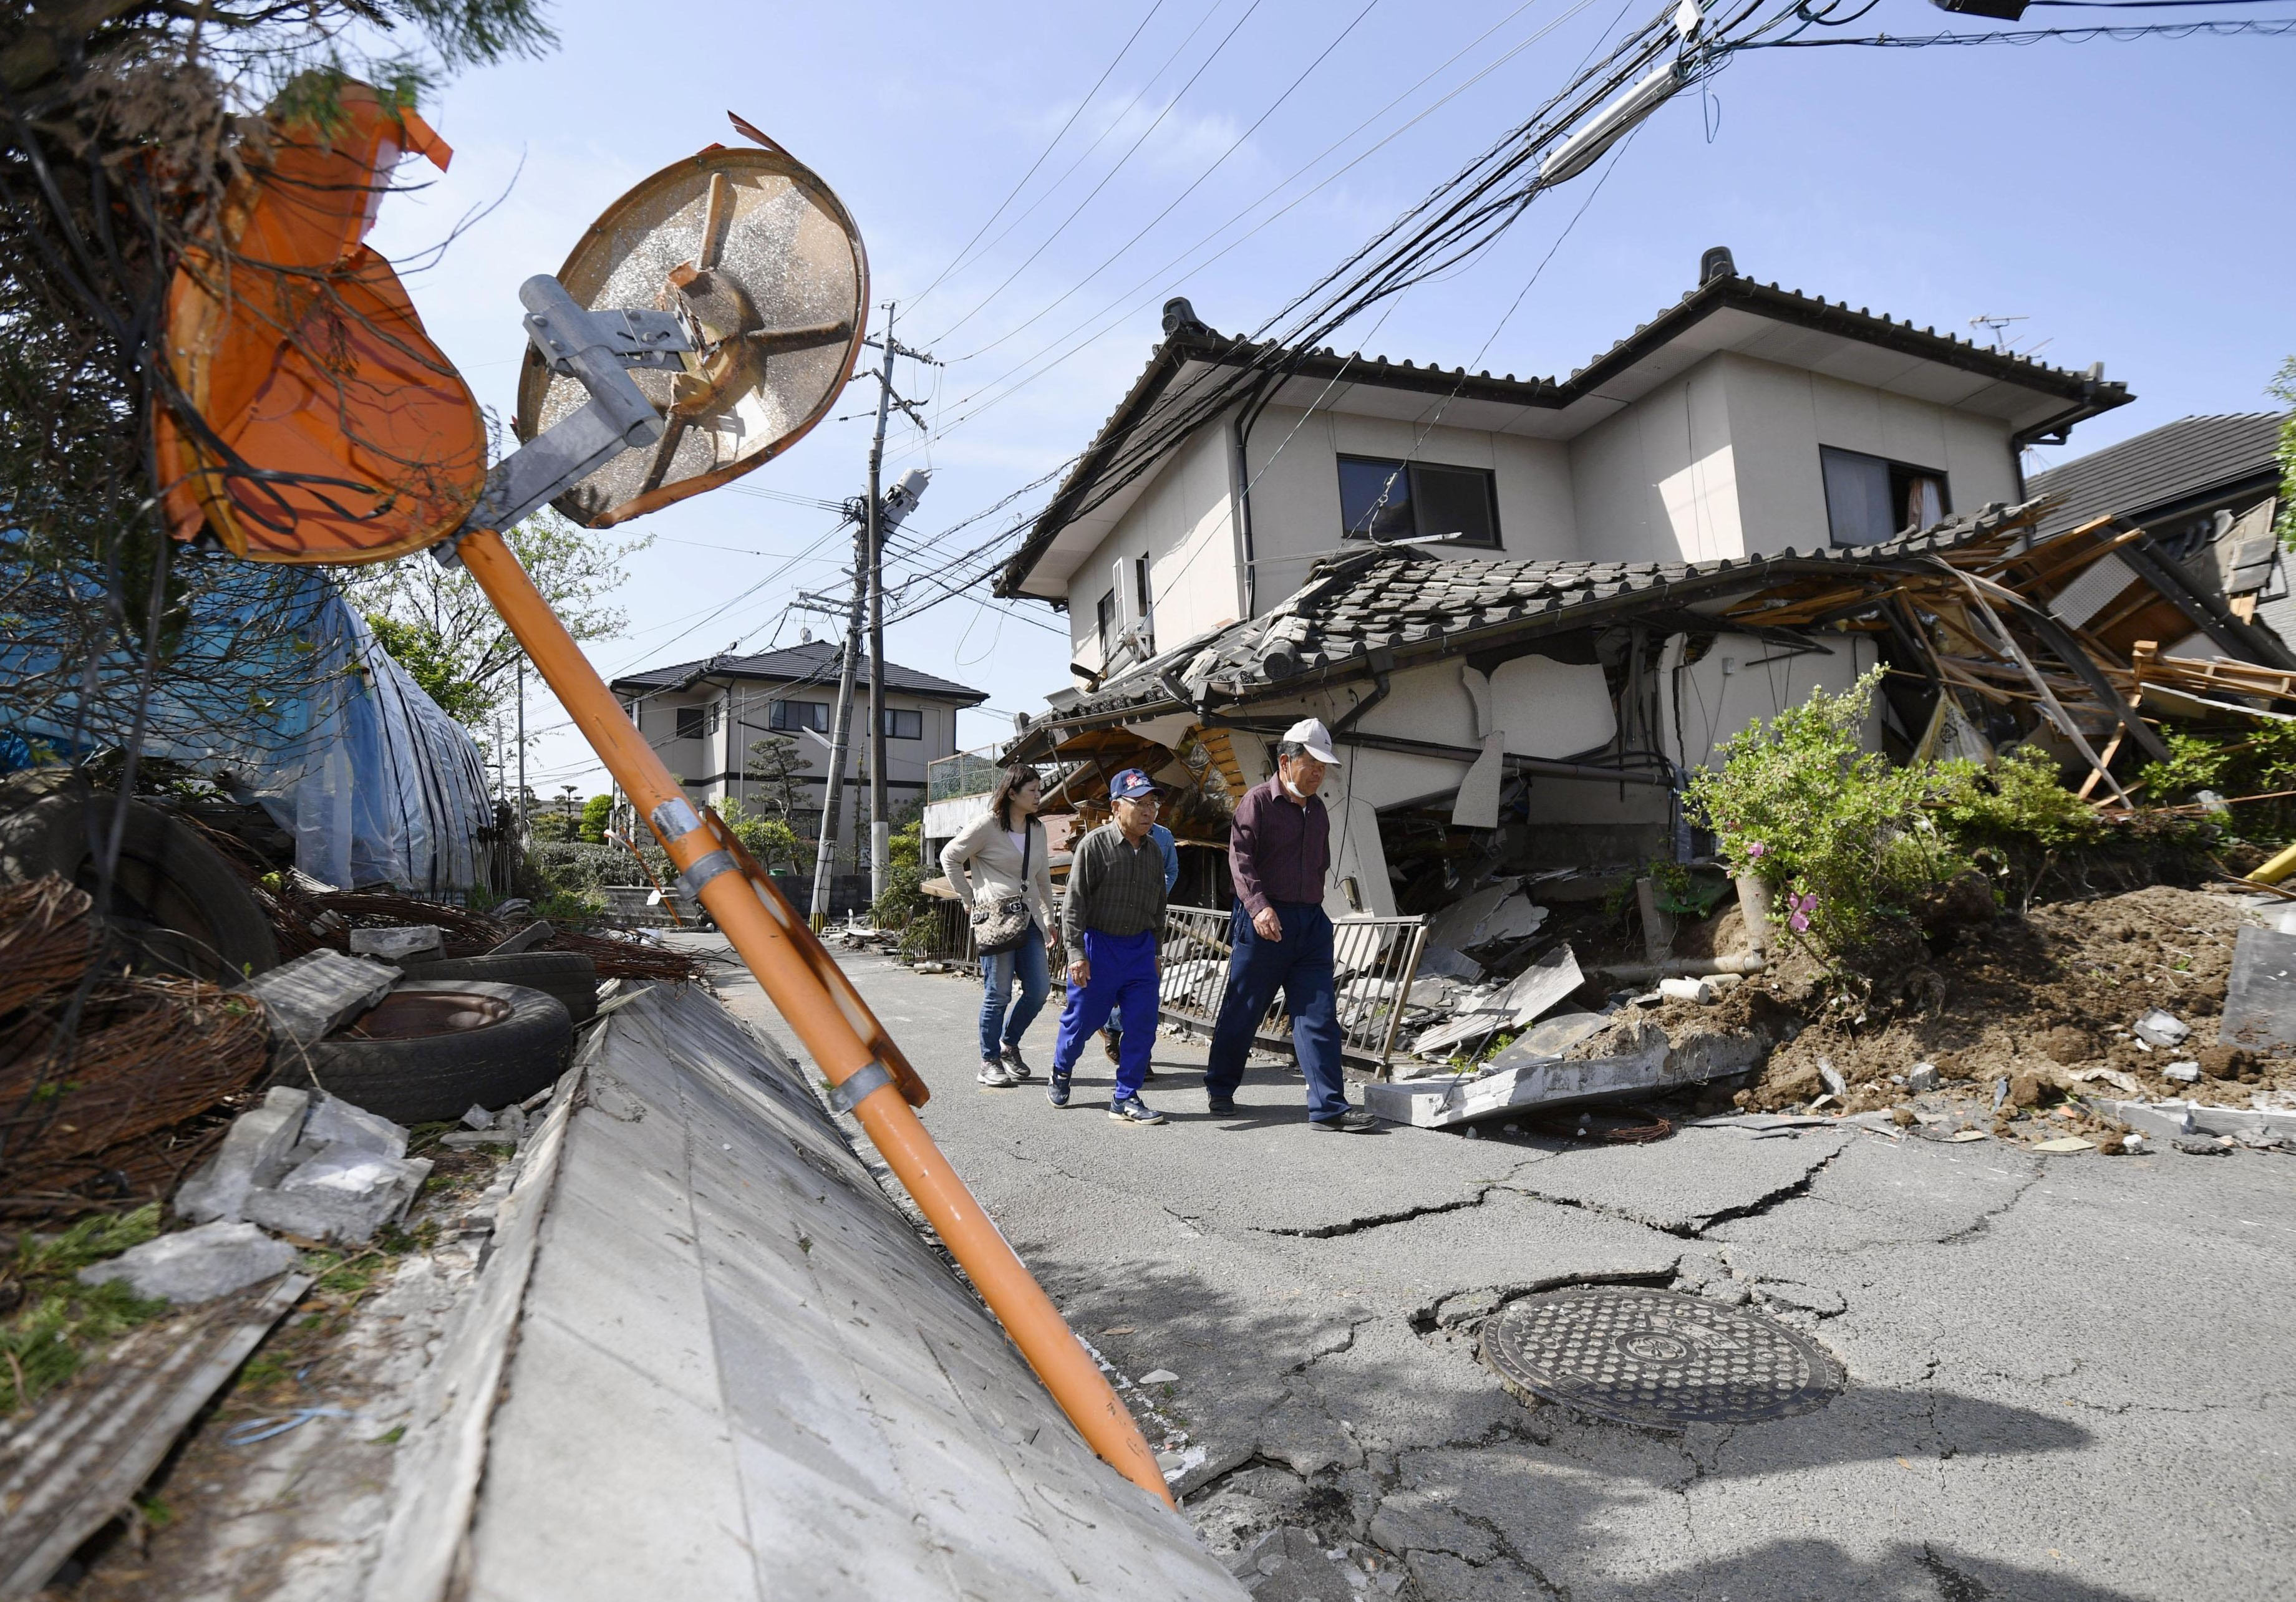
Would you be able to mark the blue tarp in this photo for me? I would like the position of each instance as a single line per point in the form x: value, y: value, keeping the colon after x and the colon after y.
x: 376, y: 784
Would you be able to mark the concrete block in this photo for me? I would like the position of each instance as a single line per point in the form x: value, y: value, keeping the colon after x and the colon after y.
x: 342, y: 1195
x: 1924, y: 1078
x: 2183, y: 1073
x: 256, y: 1150
x: 197, y: 1265
x: 403, y: 943
x: 334, y: 1122
x: 2159, y: 1028
x: 314, y: 995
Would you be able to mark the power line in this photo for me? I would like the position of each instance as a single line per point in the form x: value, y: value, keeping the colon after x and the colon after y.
x: 958, y: 259
x: 1197, y: 182
x: 2272, y: 28
x: 1107, y: 177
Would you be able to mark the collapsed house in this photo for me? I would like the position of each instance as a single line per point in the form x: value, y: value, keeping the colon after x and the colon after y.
x: 1751, y: 498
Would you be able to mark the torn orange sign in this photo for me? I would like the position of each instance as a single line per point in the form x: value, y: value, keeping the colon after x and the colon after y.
x: 326, y: 427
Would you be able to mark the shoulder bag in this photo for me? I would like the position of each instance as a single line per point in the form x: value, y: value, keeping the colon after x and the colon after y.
x: 1001, y: 923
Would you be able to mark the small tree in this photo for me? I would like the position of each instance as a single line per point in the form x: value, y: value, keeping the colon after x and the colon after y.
x: 777, y: 767
x: 597, y: 812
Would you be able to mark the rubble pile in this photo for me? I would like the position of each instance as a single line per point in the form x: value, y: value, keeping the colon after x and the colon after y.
x: 2071, y: 1022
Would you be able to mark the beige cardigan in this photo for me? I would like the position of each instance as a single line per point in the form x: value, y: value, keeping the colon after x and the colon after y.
x: 985, y: 853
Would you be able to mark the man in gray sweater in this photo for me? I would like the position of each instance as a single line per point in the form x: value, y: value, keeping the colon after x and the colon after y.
x: 1111, y: 924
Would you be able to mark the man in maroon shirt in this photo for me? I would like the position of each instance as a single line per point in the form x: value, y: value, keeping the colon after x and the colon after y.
x: 1279, y: 853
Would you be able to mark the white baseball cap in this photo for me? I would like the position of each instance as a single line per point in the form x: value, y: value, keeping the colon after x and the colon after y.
x: 1310, y: 733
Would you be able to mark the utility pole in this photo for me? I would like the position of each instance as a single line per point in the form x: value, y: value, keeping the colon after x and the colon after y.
x: 842, y: 728
x: 885, y: 513
x: 521, y: 745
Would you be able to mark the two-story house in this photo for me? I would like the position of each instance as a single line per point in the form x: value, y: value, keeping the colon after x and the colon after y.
x: 1302, y: 531
x: 704, y: 717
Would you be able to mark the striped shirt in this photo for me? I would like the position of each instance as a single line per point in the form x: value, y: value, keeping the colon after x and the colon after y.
x: 1115, y: 887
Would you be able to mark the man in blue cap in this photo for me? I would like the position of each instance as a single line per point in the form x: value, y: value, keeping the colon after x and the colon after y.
x: 1113, y: 923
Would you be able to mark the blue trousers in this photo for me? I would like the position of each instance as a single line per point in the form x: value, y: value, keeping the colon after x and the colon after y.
x: 1123, y: 976
x: 1301, y: 965
x: 1003, y: 1020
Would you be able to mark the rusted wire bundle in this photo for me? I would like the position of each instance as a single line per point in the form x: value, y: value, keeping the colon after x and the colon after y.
x: 46, y: 940
x: 128, y: 1174
x: 619, y: 958
x: 150, y: 1053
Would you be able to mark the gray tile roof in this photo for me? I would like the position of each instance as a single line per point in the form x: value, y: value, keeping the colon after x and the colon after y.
x: 813, y: 662
x: 2191, y: 459
x: 2084, y: 394
x: 1411, y: 605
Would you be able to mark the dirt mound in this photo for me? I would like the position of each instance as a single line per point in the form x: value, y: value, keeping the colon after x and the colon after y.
x: 2028, y: 998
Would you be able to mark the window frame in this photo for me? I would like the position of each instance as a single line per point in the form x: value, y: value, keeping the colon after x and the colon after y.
x: 1412, y: 468
x: 777, y: 720
x: 1900, y: 477
x: 893, y: 716
x: 692, y: 721
x: 1104, y: 623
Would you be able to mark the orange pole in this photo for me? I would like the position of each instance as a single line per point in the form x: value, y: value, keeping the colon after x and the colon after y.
x: 827, y: 1014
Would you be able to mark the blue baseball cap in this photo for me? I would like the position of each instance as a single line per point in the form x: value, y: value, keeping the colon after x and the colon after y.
x: 1129, y: 785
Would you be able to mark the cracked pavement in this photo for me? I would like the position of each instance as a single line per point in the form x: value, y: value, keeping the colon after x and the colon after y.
x: 2070, y: 1378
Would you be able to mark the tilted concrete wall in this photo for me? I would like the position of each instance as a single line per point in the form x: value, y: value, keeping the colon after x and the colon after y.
x: 737, y: 1371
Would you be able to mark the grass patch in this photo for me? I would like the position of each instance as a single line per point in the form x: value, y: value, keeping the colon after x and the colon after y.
x: 58, y: 1322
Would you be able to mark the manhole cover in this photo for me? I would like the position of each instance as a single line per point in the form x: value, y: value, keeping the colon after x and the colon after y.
x: 1657, y: 1358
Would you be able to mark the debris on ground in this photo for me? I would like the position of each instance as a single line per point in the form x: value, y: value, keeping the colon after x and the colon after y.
x: 310, y: 1166
x: 196, y: 1265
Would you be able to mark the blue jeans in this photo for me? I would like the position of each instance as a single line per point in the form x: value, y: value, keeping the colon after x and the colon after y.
x: 1123, y: 975
x: 1299, y: 965
x: 998, y: 1028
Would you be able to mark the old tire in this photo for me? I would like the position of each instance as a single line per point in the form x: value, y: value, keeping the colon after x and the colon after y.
x: 429, y: 1051
x: 571, y: 976
x: 174, y: 896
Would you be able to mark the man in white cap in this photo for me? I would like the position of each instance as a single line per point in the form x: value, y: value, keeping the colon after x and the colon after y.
x: 1279, y: 855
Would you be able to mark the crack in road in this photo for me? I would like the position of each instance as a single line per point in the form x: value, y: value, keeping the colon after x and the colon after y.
x: 1378, y: 1220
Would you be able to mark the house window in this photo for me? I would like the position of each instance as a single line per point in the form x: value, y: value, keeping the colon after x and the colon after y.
x: 1386, y: 500
x: 1104, y: 617
x: 788, y: 716
x: 1869, y: 499
x: 902, y: 723
x: 692, y: 721
x: 1147, y: 602
x: 715, y: 707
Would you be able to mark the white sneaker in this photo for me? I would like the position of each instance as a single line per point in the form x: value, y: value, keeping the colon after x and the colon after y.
x: 996, y: 1077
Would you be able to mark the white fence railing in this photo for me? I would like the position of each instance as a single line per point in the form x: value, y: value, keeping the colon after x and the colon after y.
x: 1374, y: 960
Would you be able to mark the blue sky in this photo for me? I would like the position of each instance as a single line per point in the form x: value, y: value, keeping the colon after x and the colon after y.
x: 2123, y: 198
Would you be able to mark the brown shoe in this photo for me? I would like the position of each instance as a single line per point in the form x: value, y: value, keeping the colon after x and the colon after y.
x: 1108, y: 1045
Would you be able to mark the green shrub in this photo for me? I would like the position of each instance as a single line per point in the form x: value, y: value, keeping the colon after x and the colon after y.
x: 58, y: 1321
x: 2261, y: 761
x: 1843, y: 836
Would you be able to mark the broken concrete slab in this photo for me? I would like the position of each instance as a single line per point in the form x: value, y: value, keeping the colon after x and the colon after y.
x: 2158, y: 1027
x: 2260, y: 998
x: 400, y: 944
x: 196, y: 1265
x: 1499, y: 911
x: 335, y: 1122
x: 342, y: 1195
x: 1515, y: 1081
x: 308, y: 999
x: 255, y: 1151
x: 1552, y: 1037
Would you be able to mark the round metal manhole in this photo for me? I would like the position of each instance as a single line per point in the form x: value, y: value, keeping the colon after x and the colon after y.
x: 1657, y: 1358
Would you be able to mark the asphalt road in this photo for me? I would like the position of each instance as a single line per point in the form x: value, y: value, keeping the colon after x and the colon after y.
x: 2070, y: 1378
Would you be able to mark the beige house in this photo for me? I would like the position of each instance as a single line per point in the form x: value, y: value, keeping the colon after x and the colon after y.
x: 1527, y: 608
x: 1743, y: 420
x: 702, y: 718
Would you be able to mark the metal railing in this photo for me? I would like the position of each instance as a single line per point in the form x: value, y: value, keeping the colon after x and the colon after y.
x: 966, y: 774
x: 1374, y: 961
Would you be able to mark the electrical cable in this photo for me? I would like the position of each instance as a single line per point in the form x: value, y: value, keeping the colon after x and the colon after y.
x: 1106, y: 178
x: 1043, y: 156
x: 2273, y: 28
x: 1194, y: 184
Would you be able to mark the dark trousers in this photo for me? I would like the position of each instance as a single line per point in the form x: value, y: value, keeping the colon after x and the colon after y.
x: 1301, y: 965
x: 1124, y: 977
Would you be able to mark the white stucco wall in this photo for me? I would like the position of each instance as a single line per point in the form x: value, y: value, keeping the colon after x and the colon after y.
x: 1778, y: 417
x: 1741, y: 678
x: 1181, y: 524
x: 1659, y: 482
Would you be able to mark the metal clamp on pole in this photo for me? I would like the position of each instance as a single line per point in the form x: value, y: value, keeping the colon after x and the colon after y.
x: 703, y: 869
x: 866, y: 1081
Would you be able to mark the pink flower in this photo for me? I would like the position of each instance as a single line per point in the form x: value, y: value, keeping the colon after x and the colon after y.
x: 1798, y: 911
x: 1754, y: 851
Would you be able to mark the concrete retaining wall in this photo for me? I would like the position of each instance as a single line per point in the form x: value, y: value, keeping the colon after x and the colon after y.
x: 737, y: 1371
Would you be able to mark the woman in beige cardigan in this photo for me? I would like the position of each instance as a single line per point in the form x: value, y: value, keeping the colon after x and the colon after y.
x: 1002, y: 854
